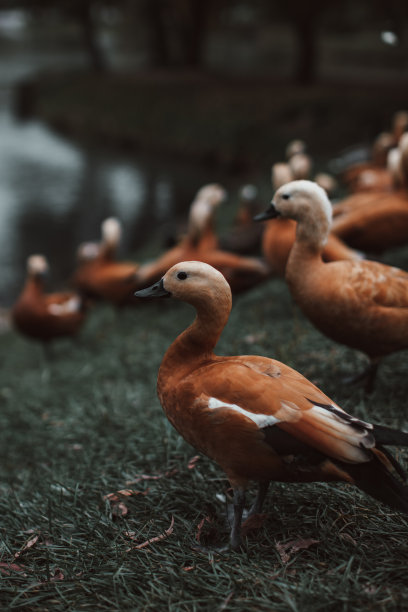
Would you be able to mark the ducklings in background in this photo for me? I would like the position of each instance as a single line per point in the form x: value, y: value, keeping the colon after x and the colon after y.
x: 45, y: 316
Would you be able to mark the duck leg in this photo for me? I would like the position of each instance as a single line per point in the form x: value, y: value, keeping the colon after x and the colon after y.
x: 256, y: 507
x: 239, y: 502
x: 368, y: 375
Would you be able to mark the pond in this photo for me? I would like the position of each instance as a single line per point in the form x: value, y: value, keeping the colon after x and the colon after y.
x: 54, y: 193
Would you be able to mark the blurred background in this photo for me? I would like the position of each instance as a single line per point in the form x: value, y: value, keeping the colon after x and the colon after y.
x: 127, y: 107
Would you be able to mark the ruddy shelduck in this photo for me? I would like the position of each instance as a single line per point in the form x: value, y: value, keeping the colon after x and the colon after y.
x: 279, y: 234
x: 241, y: 272
x: 99, y: 275
x: 362, y: 304
x: 45, y: 316
x: 259, y: 419
x: 376, y: 221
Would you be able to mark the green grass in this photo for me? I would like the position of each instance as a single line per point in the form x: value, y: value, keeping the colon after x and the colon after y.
x: 88, y: 422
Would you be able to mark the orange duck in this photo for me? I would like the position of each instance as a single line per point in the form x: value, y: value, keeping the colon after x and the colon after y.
x: 259, y: 419
x: 362, y: 304
x: 372, y: 174
x: 99, y: 275
x: 279, y: 234
x: 43, y: 316
x: 245, y: 235
x: 376, y: 221
x: 200, y: 244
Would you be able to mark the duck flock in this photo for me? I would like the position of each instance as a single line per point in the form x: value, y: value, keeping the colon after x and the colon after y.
x: 259, y: 419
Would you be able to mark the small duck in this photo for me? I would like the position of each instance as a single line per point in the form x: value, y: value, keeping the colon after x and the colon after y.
x: 362, y: 304
x: 45, y: 316
x: 99, y: 275
x: 201, y: 244
x: 245, y: 235
x: 353, y: 177
x: 376, y: 221
x: 258, y: 418
x: 279, y: 234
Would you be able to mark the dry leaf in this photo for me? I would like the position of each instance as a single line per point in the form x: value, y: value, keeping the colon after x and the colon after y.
x: 252, y: 523
x: 206, y: 519
x: 193, y: 461
x: 58, y: 575
x: 5, y: 567
x: 27, y: 545
x: 289, y: 548
x: 118, y: 507
x: 162, y: 536
x: 188, y: 568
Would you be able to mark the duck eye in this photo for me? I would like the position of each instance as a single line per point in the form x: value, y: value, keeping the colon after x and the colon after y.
x: 286, y: 196
x: 182, y: 275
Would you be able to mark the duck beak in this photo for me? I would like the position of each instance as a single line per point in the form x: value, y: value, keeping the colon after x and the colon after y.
x: 156, y: 290
x: 269, y: 213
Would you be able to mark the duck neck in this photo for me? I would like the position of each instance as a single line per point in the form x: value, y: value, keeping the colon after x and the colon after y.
x: 34, y: 285
x: 197, y: 342
x: 306, y: 251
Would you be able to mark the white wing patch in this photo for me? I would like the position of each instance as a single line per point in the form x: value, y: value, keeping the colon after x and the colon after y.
x: 71, y: 305
x: 262, y: 420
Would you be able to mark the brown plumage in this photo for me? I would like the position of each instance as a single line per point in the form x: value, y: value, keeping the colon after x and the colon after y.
x: 362, y: 304
x: 258, y: 418
x: 43, y: 316
x: 279, y: 234
x: 99, y: 275
x: 201, y: 244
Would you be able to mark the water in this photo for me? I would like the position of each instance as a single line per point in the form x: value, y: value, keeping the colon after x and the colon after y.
x: 54, y: 193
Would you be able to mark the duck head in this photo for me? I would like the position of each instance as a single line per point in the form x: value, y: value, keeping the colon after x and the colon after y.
x: 37, y: 266
x: 194, y: 282
x: 308, y: 204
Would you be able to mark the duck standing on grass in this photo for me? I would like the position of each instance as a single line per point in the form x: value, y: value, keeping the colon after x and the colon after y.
x: 362, y: 304
x: 99, y: 275
x: 45, y: 316
x: 258, y: 418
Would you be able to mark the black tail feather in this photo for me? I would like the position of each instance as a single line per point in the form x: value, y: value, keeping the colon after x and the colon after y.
x: 388, y: 436
x: 377, y: 481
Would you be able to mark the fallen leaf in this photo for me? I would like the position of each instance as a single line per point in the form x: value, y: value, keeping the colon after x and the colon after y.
x: 193, y: 461
x: 5, y: 567
x: 118, y: 507
x: 347, y: 537
x: 252, y: 523
x: 162, y: 536
x: 206, y: 519
x: 188, y: 568
x: 27, y: 545
x: 289, y: 548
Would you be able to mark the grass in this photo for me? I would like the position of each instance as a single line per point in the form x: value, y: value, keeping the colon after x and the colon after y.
x: 88, y: 423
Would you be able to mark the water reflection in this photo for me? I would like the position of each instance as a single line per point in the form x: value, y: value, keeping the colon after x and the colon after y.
x: 54, y: 193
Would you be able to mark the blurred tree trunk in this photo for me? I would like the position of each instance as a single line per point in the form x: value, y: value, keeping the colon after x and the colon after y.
x: 306, y: 56
x: 153, y: 12
x: 193, y: 31
x: 304, y: 17
x: 83, y: 12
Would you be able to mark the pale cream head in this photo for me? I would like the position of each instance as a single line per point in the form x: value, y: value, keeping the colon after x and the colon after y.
x: 294, y: 147
x: 197, y: 283
x: 281, y: 174
x: 400, y: 123
x: 111, y: 231
x: 301, y: 166
x: 37, y: 265
x: 327, y: 182
x: 88, y: 251
x: 213, y: 193
x: 308, y: 204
